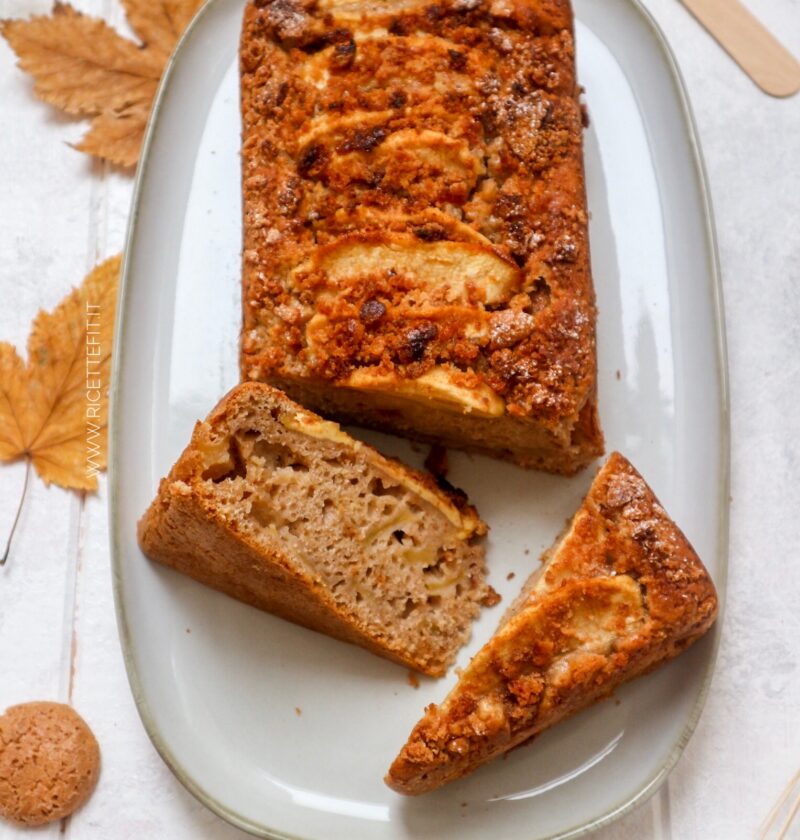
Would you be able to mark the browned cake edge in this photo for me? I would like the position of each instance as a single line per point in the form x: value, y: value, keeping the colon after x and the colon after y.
x: 477, y: 722
x: 181, y: 531
x: 512, y: 439
x: 564, y: 446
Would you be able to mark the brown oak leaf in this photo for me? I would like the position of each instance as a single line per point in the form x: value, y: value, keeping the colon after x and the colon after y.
x: 54, y: 409
x: 82, y: 66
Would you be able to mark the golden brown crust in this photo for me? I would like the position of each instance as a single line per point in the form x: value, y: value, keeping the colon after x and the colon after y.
x: 441, y: 137
x: 183, y: 529
x: 49, y: 763
x: 621, y: 592
x: 220, y: 558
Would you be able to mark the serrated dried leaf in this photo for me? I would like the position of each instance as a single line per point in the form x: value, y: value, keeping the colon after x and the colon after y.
x: 116, y: 137
x: 159, y: 23
x: 12, y: 395
x: 82, y: 66
x: 54, y: 410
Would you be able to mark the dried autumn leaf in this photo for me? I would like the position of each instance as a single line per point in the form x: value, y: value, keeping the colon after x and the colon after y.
x: 159, y: 23
x: 54, y: 410
x: 82, y: 66
x: 116, y: 137
x: 13, y: 428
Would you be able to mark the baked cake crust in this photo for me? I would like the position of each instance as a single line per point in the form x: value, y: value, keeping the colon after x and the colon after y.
x: 284, y: 511
x: 620, y: 592
x: 415, y: 225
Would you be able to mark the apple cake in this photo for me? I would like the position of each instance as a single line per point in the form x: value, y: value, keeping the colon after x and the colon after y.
x: 620, y: 592
x: 415, y: 252
x: 284, y: 511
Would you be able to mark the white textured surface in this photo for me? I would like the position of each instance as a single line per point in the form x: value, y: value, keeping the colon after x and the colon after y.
x: 60, y: 213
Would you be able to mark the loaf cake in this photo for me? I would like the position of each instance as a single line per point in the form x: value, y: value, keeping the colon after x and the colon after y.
x: 283, y: 510
x: 415, y: 226
x: 620, y: 592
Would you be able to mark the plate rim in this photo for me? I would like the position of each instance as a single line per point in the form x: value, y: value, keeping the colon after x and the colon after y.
x: 651, y: 784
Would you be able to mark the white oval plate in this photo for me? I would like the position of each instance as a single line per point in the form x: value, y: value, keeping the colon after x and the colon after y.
x: 285, y: 732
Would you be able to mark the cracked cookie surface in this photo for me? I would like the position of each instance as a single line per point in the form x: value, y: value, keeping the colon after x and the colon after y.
x: 49, y: 763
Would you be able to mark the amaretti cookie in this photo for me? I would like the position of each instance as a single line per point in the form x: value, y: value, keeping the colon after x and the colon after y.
x: 49, y: 763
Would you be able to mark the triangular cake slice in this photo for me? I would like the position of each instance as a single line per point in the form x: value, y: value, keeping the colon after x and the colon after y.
x: 621, y: 591
x: 281, y: 509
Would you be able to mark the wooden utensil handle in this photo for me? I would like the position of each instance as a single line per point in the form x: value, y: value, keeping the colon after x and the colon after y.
x: 768, y: 63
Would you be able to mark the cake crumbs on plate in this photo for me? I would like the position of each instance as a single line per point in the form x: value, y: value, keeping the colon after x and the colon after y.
x: 511, y: 575
x: 298, y: 711
x: 413, y: 679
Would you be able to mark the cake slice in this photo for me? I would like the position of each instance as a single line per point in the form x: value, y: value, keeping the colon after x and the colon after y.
x: 283, y: 510
x: 621, y: 591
